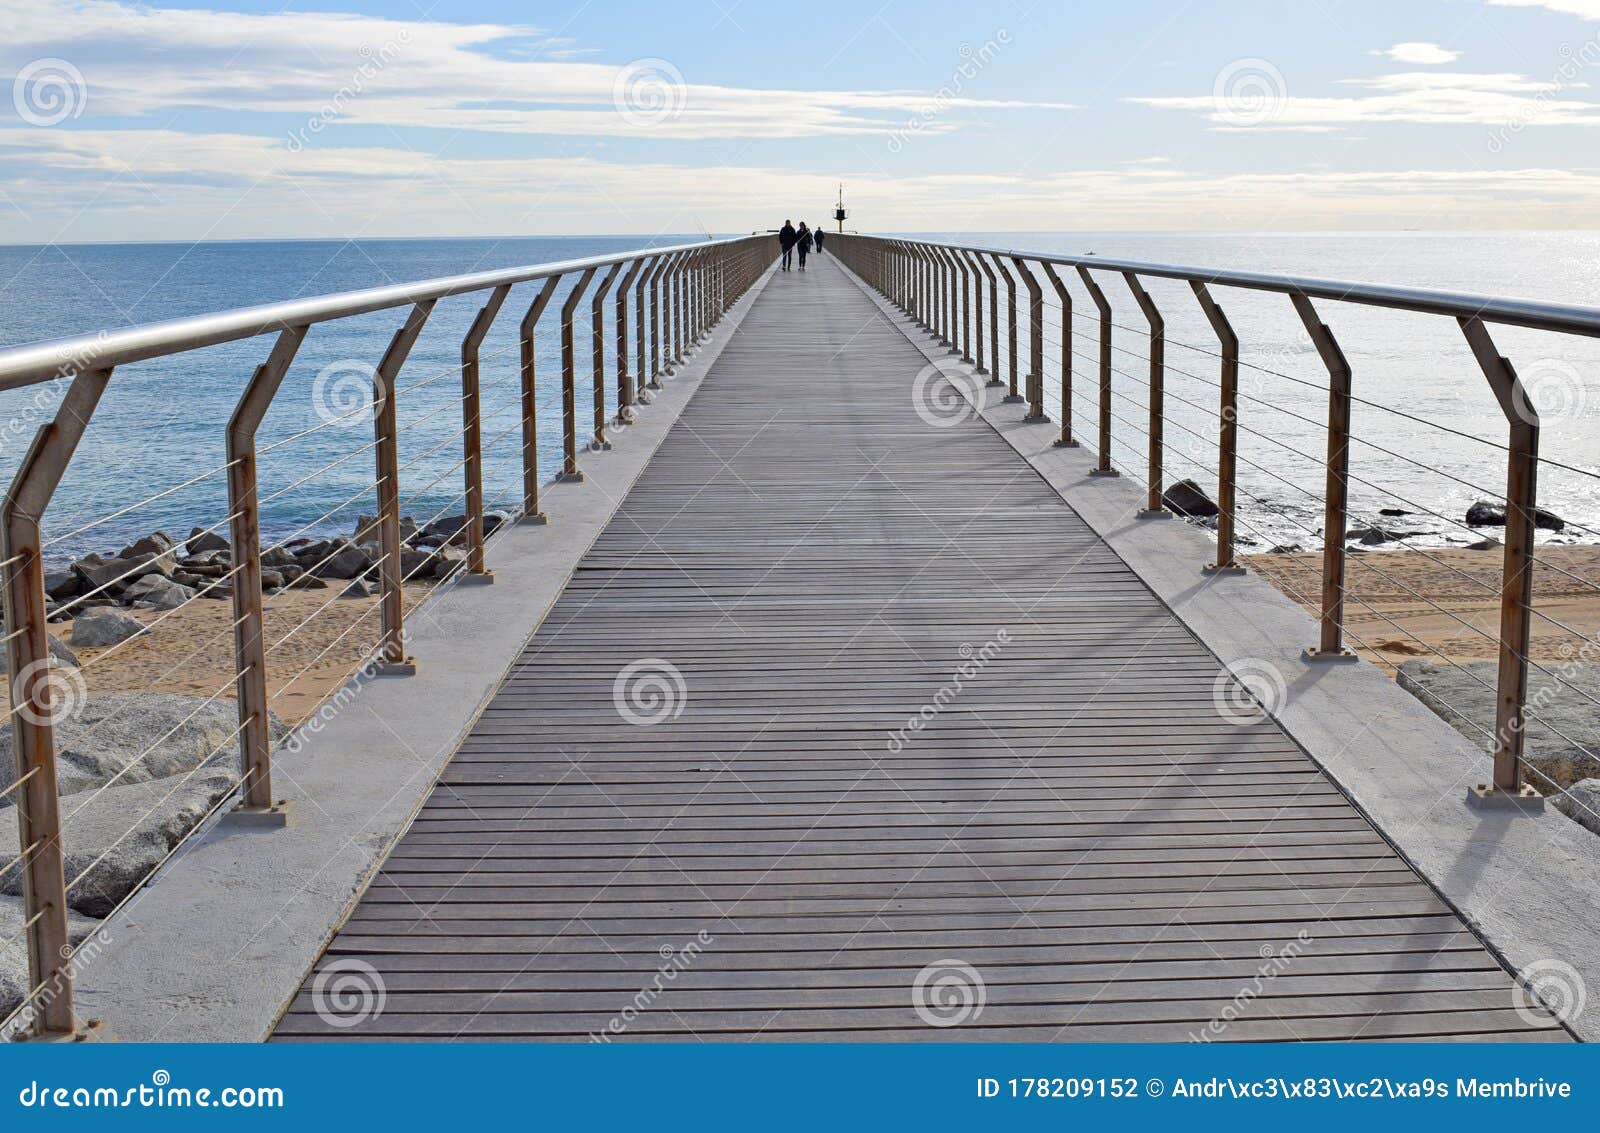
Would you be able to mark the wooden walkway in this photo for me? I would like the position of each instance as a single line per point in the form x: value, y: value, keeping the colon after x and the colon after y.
x: 1077, y: 827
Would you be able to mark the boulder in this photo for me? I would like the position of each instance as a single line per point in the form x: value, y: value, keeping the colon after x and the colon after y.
x: 134, y: 737
x: 304, y: 581
x: 1486, y: 514
x: 154, y: 592
x: 448, y: 560
x: 1285, y: 549
x: 346, y: 561
x: 1188, y: 498
x: 416, y: 564
x: 1547, y: 521
x: 1484, y: 545
x: 14, y: 948
x: 111, y: 575
x: 1581, y: 803
x: 119, y: 834
x: 101, y: 627
x: 1392, y: 511
x: 200, y: 541
x: 59, y: 654
x: 272, y: 580
x: 277, y: 557
x: 62, y: 584
x: 368, y: 531
x: 356, y: 588
x: 156, y: 543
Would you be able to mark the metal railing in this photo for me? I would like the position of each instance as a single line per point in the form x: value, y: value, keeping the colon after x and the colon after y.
x: 940, y: 286
x: 684, y: 288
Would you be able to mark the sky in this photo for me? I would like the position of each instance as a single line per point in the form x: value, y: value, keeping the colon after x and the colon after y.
x: 184, y: 121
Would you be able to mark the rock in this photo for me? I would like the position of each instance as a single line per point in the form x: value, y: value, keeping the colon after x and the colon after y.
x: 356, y: 588
x: 200, y: 541
x: 368, y: 531
x: 60, y: 655
x: 14, y: 947
x: 272, y: 580
x: 1557, y: 740
x: 156, y: 593
x: 448, y: 560
x: 119, y: 834
x: 1285, y: 549
x: 1393, y: 511
x: 1187, y: 498
x: 1486, y: 514
x: 416, y: 564
x: 156, y: 543
x: 305, y: 581
x: 135, y: 737
x: 492, y: 521
x: 1546, y: 521
x: 62, y: 584
x: 100, y: 627
x: 1484, y: 545
x: 277, y: 557
x: 1581, y: 804
x: 346, y: 562
x: 111, y: 575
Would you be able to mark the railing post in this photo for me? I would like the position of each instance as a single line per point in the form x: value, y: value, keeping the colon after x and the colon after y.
x: 44, y: 886
x: 641, y: 368
x: 624, y: 382
x: 658, y: 288
x: 966, y: 304
x: 947, y: 289
x: 385, y: 417
x: 530, y: 404
x: 977, y: 319
x: 1011, y: 328
x: 570, y: 472
x: 1035, y: 382
x: 1330, y: 645
x: 1155, y: 472
x: 1065, y: 439
x: 597, y: 338
x: 472, y: 432
x: 244, y: 522
x: 1102, y: 305
x: 1516, y: 578
x: 1228, y: 432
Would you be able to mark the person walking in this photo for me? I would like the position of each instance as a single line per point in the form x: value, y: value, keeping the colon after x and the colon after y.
x: 802, y: 241
x: 817, y: 236
x: 786, y: 239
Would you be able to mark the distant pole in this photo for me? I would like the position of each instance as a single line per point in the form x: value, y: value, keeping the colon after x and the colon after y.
x: 838, y: 211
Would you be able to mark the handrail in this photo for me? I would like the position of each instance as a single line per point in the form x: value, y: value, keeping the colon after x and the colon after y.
x: 1534, y: 314
x: 44, y: 361
x: 704, y: 280
x: 919, y: 276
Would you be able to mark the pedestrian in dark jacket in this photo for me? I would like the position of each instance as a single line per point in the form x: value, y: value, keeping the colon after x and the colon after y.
x: 802, y: 241
x: 786, y: 239
x: 817, y: 236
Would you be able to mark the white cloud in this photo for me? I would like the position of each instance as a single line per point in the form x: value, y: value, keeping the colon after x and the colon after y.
x: 1588, y: 9
x: 1426, y: 97
x: 366, y: 70
x: 1420, y: 54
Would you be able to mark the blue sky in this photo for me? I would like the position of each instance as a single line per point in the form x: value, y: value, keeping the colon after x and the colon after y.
x: 175, y: 120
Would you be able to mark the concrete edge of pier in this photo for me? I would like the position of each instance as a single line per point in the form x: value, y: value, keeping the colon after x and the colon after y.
x: 1528, y: 885
x: 215, y: 945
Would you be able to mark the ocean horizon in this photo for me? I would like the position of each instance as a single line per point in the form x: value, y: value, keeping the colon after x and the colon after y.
x: 1427, y: 427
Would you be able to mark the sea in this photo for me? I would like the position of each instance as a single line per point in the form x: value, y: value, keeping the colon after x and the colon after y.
x: 1429, y: 434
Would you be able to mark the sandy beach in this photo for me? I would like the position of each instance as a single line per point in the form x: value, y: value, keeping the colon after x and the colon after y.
x: 315, y: 641
x: 1440, y: 604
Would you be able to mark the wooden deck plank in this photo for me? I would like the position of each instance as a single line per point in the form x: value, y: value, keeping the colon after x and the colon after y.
x: 1078, y: 821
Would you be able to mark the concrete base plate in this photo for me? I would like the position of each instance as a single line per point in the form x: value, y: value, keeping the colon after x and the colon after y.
x: 1223, y: 568
x: 406, y: 668
x: 274, y: 817
x: 91, y: 1031
x: 1318, y: 656
x: 1065, y: 444
x: 1010, y: 398
x: 537, y: 519
x: 468, y: 578
x: 1486, y: 796
x: 599, y: 446
x: 570, y: 477
x: 1153, y: 513
x: 1106, y: 472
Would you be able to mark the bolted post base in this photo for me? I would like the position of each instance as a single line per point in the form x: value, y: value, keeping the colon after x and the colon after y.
x: 1318, y: 656
x: 274, y: 817
x: 537, y: 519
x: 1223, y: 568
x: 1010, y: 398
x: 1153, y: 513
x: 86, y: 1031
x: 1066, y: 444
x: 1036, y: 419
x: 475, y: 578
x: 573, y: 477
x: 406, y: 667
x: 598, y: 445
x: 1108, y: 472
x: 1486, y: 796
